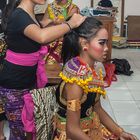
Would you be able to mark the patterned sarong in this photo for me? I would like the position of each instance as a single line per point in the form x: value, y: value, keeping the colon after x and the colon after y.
x: 2, y: 113
x: 13, y: 105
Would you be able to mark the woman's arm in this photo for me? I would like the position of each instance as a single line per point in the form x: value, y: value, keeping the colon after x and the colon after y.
x: 45, y: 22
x: 49, y: 34
x: 113, y: 127
x: 74, y: 93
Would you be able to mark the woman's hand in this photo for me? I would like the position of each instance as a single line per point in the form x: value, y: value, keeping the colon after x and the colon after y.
x: 46, y: 22
x: 76, y: 20
x: 127, y: 136
x: 57, y: 21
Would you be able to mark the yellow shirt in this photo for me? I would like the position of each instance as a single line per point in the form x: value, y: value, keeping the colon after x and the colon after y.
x: 54, y: 11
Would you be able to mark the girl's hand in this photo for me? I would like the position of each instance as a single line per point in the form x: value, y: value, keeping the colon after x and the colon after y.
x: 76, y: 20
x: 127, y: 136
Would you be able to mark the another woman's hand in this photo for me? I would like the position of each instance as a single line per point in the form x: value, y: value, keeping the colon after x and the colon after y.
x: 46, y: 22
x: 127, y: 136
x: 76, y: 20
x: 57, y: 21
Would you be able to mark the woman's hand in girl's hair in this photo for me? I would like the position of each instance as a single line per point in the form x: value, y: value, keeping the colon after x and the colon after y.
x: 127, y: 136
x: 76, y: 20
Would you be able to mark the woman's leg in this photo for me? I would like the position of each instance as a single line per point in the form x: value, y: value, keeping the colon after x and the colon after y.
x: 29, y: 136
x: 13, y: 101
x: 1, y: 129
x: 13, y: 112
x: 2, y: 118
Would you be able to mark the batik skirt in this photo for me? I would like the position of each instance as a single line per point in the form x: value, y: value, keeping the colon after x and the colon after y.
x: 90, y: 125
x: 2, y: 112
x: 13, y: 104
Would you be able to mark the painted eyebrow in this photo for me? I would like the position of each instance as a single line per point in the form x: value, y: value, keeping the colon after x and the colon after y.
x: 104, y: 40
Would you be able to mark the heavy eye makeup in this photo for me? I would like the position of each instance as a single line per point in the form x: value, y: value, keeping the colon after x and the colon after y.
x: 103, y: 41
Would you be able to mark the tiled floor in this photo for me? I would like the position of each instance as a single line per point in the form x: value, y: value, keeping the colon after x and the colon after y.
x: 124, y: 95
x: 123, y: 101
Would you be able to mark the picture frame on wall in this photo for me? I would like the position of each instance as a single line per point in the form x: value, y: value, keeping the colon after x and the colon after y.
x: 119, y: 16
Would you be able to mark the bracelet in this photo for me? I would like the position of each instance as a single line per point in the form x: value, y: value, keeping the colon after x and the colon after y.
x: 68, y: 25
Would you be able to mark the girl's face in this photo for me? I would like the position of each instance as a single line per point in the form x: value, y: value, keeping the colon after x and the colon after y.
x: 97, y: 47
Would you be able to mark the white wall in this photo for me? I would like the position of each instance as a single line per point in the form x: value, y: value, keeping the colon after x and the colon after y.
x: 132, y: 7
x: 82, y: 3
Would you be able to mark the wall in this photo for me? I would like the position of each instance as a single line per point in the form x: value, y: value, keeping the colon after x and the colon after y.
x: 82, y: 3
x: 132, y: 7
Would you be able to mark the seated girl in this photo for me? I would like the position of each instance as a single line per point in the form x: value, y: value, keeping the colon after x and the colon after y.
x: 80, y: 115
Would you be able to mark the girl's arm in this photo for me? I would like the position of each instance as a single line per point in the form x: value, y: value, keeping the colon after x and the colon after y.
x: 113, y: 127
x: 106, y: 120
x: 73, y: 94
x: 48, y: 34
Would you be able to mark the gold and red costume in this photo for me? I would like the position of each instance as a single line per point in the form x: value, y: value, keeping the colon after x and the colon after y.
x: 75, y: 71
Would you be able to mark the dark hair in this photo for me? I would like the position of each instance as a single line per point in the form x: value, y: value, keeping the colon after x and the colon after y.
x: 71, y: 46
x: 9, y: 8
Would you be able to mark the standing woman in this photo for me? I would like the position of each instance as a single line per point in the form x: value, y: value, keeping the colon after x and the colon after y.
x: 24, y: 37
x: 2, y: 119
x: 2, y: 113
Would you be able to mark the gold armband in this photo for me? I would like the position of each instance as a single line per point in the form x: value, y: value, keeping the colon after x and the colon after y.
x: 73, y: 105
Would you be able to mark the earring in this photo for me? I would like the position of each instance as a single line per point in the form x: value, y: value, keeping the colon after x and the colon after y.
x: 85, y: 48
